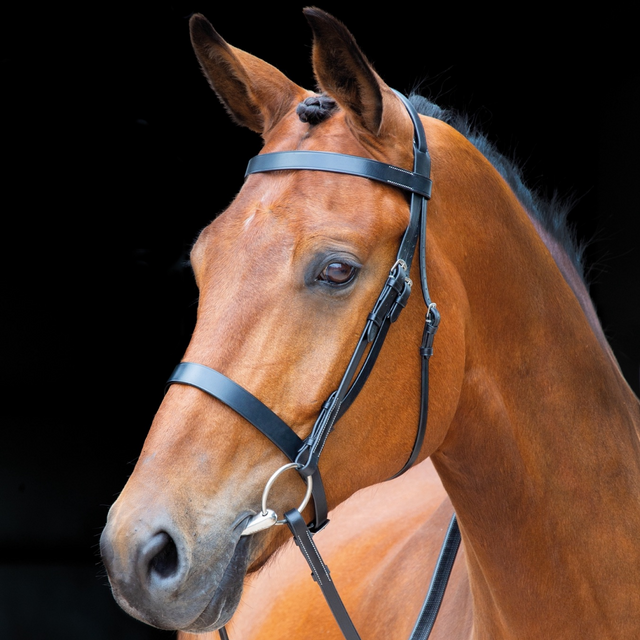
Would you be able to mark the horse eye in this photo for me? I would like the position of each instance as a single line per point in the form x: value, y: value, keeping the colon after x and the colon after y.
x: 337, y: 273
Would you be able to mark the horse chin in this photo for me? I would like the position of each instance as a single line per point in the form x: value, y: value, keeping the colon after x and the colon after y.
x: 226, y: 597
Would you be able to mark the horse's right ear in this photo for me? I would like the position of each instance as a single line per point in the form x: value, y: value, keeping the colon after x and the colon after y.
x: 255, y: 94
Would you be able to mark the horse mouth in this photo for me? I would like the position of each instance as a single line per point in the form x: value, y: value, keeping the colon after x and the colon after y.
x: 226, y: 597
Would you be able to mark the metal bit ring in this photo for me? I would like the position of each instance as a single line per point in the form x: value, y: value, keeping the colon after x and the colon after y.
x: 272, y: 479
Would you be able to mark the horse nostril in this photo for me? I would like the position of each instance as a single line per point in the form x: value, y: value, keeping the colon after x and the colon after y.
x: 164, y: 556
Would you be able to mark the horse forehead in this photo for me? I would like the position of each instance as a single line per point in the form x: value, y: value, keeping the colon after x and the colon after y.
x: 278, y: 211
x: 290, y: 208
x: 333, y: 134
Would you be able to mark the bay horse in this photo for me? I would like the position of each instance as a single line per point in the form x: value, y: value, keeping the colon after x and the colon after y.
x: 532, y: 429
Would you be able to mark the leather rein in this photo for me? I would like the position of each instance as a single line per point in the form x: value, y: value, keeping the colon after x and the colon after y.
x: 304, y: 454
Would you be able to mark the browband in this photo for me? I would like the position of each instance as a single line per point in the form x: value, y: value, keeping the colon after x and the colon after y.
x: 341, y: 163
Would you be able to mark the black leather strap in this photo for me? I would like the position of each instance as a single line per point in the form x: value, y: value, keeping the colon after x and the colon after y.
x: 431, y: 606
x: 341, y: 163
x: 421, y: 165
x: 439, y: 581
x: 320, y: 573
x: 240, y: 400
x: 432, y: 320
x: 365, y: 370
x: 258, y: 414
x: 386, y: 310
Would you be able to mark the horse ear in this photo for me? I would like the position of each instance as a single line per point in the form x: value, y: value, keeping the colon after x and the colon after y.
x: 255, y: 94
x: 343, y: 72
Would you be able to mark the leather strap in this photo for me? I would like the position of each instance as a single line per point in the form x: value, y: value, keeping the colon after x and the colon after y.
x: 365, y: 370
x: 320, y: 573
x: 431, y: 606
x: 432, y: 320
x: 258, y: 414
x: 387, y: 308
x: 341, y: 163
x: 386, y: 311
x: 240, y: 400
x: 439, y: 581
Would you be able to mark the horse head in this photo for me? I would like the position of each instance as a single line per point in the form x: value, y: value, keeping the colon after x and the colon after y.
x: 286, y: 275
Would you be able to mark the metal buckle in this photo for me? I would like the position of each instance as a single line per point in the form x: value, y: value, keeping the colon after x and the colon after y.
x: 399, y: 263
x: 431, y: 322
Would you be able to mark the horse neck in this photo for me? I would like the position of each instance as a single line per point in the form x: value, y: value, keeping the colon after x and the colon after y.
x: 542, y: 459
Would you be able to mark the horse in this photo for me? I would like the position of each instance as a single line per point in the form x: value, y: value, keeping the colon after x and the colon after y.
x: 532, y: 429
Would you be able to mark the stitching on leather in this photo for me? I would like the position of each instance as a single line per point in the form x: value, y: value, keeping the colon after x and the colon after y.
x: 324, y: 566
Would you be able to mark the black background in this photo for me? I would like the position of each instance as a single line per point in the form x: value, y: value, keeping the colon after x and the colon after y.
x: 115, y: 153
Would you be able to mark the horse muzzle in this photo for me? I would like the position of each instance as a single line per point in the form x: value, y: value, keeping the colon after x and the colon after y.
x: 175, y: 577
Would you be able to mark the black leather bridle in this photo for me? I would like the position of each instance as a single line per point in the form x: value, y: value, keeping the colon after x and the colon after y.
x: 393, y: 298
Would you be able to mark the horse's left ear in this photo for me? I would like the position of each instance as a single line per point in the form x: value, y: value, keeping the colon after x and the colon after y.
x: 343, y: 72
x: 255, y: 93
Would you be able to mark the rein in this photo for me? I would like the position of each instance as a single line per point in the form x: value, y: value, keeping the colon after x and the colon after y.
x: 305, y: 454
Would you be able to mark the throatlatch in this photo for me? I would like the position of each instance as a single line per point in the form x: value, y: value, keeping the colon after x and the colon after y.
x: 305, y: 455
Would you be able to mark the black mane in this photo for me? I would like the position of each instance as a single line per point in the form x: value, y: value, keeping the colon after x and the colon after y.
x: 550, y: 212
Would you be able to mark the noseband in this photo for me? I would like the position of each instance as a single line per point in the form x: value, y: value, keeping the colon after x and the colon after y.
x: 305, y: 454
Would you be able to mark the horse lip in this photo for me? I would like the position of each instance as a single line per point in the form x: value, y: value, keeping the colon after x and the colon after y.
x: 241, y: 520
x: 226, y: 597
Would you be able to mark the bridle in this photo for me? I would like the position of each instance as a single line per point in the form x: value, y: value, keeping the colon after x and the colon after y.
x: 304, y: 455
